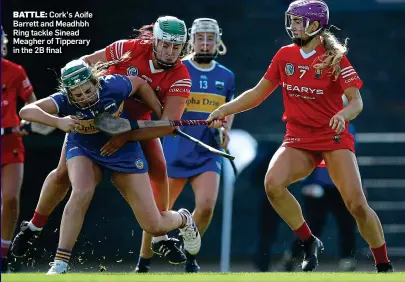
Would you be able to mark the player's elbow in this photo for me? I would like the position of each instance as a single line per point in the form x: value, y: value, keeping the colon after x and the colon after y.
x: 25, y: 113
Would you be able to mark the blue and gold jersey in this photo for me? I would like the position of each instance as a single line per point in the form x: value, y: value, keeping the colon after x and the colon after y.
x: 210, y: 89
x: 88, y: 140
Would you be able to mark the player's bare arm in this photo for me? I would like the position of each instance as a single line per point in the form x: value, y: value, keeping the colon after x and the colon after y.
x: 42, y: 111
x: 355, y: 105
x: 143, y: 90
x: 31, y: 99
x: 98, y: 56
x: 246, y: 101
x: 172, y: 110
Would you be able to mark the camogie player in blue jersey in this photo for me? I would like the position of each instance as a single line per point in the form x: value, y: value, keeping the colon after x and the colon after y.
x: 84, y: 93
x: 212, y: 85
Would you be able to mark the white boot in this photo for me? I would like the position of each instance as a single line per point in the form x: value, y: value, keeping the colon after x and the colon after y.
x: 57, y: 267
x: 190, y: 234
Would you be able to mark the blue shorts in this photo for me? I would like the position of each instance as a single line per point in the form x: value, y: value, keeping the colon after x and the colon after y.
x: 183, y: 170
x: 128, y: 159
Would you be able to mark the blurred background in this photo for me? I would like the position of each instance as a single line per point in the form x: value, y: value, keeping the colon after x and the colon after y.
x: 253, y: 31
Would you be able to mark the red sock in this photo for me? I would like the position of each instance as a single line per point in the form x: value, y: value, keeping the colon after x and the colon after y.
x: 39, y: 220
x: 303, y: 232
x: 159, y: 235
x: 4, y: 252
x: 380, y: 254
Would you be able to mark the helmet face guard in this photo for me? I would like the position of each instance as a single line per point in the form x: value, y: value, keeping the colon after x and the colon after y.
x: 306, y: 12
x: 170, y: 36
x: 80, y: 85
x: 205, y: 40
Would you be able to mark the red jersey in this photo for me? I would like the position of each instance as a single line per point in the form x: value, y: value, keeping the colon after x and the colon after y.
x: 311, y: 97
x: 173, y: 82
x: 14, y: 83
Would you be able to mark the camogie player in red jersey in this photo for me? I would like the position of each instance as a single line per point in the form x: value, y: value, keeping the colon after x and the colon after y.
x: 313, y: 73
x: 154, y: 57
x: 15, y: 83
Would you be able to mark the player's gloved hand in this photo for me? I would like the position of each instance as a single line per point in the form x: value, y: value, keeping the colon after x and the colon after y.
x: 68, y: 123
x: 215, y: 119
x: 337, y: 122
x: 19, y: 131
x: 114, y: 144
x: 224, y: 137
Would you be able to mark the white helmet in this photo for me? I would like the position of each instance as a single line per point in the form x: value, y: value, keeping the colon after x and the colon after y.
x: 206, y: 25
x: 169, y: 29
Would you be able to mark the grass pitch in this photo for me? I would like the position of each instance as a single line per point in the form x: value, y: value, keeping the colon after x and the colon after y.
x: 207, y: 277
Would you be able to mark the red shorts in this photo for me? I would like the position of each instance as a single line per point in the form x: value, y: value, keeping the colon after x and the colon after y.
x: 12, y: 149
x: 318, y: 144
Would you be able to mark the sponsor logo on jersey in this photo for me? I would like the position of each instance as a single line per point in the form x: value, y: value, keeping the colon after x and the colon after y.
x: 204, y: 102
x: 139, y: 164
x: 219, y: 84
x: 289, y: 69
x: 303, y: 67
x: 351, y: 79
x: 302, y: 89
x: 132, y: 71
x: 148, y: 79
x: 292, y: 139
x: 87, y: 126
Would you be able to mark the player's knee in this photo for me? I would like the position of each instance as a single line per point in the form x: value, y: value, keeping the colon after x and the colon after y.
x: 205, y: 209
x: 358, y: 209
x: 10, y: 200
x: 61, y: 176
x: 81, y: 198
x: 274, y: 185
x: 152, y: 227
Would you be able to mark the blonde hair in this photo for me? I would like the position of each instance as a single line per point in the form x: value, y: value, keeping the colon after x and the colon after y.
x: 334, y: 52
x: 98, y: 70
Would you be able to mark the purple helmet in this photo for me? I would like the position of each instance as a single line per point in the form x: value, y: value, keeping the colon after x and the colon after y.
x: 309, y: 11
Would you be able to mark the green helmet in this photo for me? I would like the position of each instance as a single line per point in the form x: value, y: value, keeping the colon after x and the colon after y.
x: 171, y: 30
x: 75, y: 74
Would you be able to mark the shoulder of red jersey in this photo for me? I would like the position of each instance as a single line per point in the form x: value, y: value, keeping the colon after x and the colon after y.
x: 286, y: 51
x: 13, y: 66
x: 116, y: 50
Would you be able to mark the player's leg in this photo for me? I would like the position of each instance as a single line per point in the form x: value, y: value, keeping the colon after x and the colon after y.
x: 84, y: 176
x: 176, y: 186
x: 54, y: 190
x: 287, y: 166
x: 316, y: 208
x: 205, y: 186
x: 344, y: 171
x: 153, y: 152
x: 137, y: 191
x: 11, y: 181
x: 346, y: 231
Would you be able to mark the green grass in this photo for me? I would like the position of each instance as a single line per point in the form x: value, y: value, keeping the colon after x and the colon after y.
x: 206, y: 277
